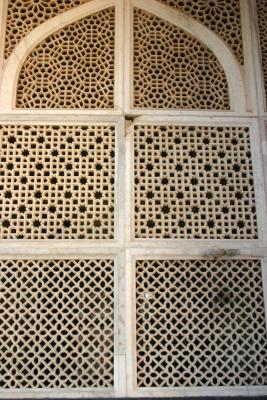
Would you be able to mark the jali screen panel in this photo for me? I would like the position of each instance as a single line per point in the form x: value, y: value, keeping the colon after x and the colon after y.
x: 262, y: 22
x: 200, y: 323
x: 73, y: 68
x: 193, y: 183
x: 172, y: 69
x: 57, y: 182
x: 25, y: 15
x: 222, y: 17
x: 56, y: 323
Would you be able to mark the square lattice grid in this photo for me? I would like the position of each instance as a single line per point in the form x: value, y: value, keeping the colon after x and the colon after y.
x: 193, y: 182
x: 57, y: 182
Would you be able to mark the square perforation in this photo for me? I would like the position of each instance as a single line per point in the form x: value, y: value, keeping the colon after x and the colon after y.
x: 57, y: 182
x: 193, y: 182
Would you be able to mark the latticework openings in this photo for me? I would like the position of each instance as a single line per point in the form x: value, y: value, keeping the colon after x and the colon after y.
x: 262, y: 22
x: 57, y: 182
x: 193, y: 183
x: 200, y: 323
x: 56, y: 326
x: 73, y: 68
x: 25, y: 15
x: 172, y: 69
x: 221, y: 16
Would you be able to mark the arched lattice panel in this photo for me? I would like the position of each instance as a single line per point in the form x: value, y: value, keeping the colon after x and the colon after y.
x: 73, y: 68
x: 56, y: 326
x: 57, y: 182
x: 200, y: 323
x: 221, y: 16
x: 262, y: 22
x: 25, y: 15
x: 172, y: 69
x: 193, y: 183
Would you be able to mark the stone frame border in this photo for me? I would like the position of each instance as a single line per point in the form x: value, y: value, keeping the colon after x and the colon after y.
x: 14, y: 63
x: 259, y: 243
x: 256, y: 53
x: 46, y: 246
x: 224, y: 55
x: 124, y: 250
x: 134, y: 391
x: 240, y: 80
x: 119, y: 360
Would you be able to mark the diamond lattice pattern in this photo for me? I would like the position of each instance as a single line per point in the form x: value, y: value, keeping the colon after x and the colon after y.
x: 56, y: 324
x: 200, y: 323
x: 172, y: 69
x: 57, y: 182
x: 73, y: 68
x: 193, y: 183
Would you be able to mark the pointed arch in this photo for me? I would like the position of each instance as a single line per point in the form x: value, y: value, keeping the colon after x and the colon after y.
x: 172, y: 70
x: 222, y: 52
x: 217, y: 46
x: 34, y: 38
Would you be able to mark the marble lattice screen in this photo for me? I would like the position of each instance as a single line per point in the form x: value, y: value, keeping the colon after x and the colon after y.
x: 133, y: 240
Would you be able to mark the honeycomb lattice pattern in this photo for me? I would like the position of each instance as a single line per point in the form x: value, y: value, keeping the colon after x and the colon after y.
x: 193, y: 183
x: 25, y: 15
x: 57, y: 182
x: 73, y: 68
x: 200, y: 323
x: 56, y: 324
x: 262, y: 21
x: 221, y: 16
x: 172, y: 69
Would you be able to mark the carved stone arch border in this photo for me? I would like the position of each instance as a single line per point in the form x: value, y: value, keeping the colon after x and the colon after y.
x: 15, y: 61
x: 223, y: 53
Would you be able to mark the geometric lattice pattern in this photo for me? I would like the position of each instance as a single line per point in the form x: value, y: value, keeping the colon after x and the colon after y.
x: 193, y: 183
x: 57, y: 182
x: 72, y: 68
x: 172, y: 69
x: 56, y: 325
x: 221, y: 16
x: 200, y: 323
x: 262, y: 23
x: 25, y: 15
